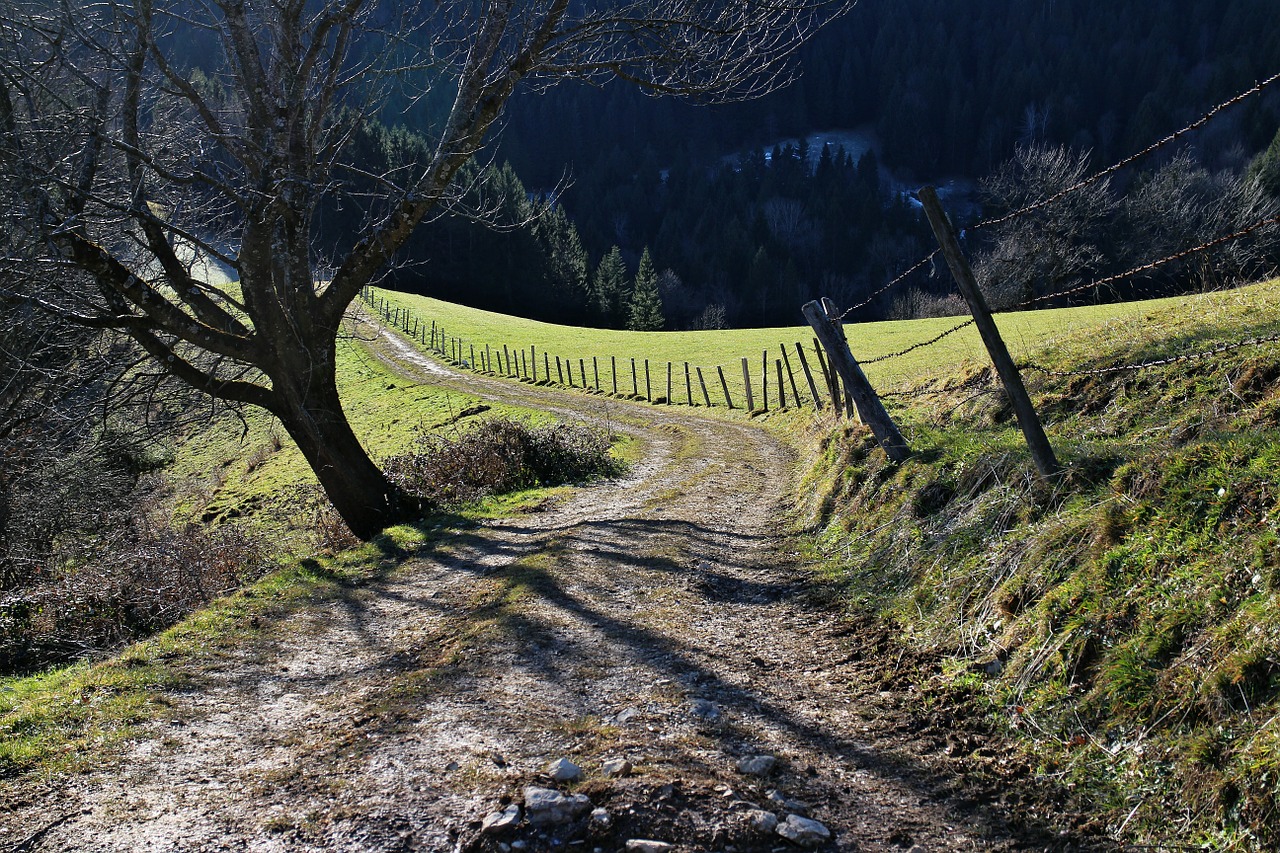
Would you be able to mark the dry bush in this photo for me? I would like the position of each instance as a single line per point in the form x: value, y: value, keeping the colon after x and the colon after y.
x: 122, y: 589
x: 501, y: 455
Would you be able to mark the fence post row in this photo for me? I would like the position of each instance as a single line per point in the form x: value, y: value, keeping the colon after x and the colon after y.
x: 860, y: 391
x: 1041, y: 450
x: 523, y: 364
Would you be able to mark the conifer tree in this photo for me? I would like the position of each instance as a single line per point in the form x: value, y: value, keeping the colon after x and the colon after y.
x: 645, y: 314
x: 609, y: 287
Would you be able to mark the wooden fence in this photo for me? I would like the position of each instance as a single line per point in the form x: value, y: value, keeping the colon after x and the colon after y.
x: 787, y: 377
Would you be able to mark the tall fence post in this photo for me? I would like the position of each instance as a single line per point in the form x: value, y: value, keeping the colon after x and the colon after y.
x: 669, y: 400
x: 688, y: 385
x: 746, y: 378
x: 782, y: 392
x: 613, y: 371
x: 1028, y: 419
x: 833, y: 314
x: 864, y: 396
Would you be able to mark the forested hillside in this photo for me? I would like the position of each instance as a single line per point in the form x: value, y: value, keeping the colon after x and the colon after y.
x: 743, y: 228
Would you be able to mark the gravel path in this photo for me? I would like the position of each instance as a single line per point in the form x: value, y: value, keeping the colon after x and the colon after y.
x: 662, y: 618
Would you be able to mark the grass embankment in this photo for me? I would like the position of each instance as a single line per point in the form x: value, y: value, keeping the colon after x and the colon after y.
x: 1121, y: 625
x: 1023, y: 332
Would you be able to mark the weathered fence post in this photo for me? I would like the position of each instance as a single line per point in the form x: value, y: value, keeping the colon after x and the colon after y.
x: 764, y: 379
x: 795, y: 391
x: 582, y: 369
x: 595, y: 370
x: 669, y: 383
x: 688, y: 385
x: 1028, y: 420
x: 559, y: 371
x: 648, y: 384
x: 746, y: 378
x: 724, y: 386
x: 533, y: 360
x: 702, y: 382
x: 834, y: 314
x: 635, y: 387
x: 864, y: 396
x: 782, y: 391
x: 546, y: 366
x: 613, y: 371
x: 808, y: 374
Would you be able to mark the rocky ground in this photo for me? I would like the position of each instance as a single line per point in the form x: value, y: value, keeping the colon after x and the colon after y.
x: 642, y: 666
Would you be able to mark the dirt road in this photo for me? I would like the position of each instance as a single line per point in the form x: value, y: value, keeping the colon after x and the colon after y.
x: 662, y: 619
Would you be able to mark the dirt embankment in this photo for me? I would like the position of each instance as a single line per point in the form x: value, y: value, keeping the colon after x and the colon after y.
x: 663, y: 620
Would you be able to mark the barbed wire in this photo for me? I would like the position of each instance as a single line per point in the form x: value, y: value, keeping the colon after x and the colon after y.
x: 973, y: 383
x: 1147, y: 267
x: 1131, y: 159
x: 901, y: 278
x: 920, y: 345
x: 1159, y: 362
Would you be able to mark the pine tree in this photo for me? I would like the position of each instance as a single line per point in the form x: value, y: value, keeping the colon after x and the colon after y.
x: 609, y: 288
x: 645, y: 314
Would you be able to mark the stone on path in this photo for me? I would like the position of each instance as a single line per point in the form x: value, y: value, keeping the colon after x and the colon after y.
x: 762, y: 821
x: 803, y: 831
x: 644, y: 845
x: 705, y: 709
x: 757, y: 765
x: 564, y: 770
x: 498, y: 821
x: 545, y: 806
x: 616, y: 767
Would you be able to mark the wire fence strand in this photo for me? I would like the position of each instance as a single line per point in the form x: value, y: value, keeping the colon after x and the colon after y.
x: 1148, y: 267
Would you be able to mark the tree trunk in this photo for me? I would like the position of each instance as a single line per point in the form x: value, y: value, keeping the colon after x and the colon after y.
x: 313, y: 416
x: 358, y: 489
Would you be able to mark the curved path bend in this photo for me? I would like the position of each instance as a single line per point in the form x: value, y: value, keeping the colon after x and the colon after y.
x: 662, y: 618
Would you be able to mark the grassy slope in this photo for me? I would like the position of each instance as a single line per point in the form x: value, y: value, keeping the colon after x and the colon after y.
x: 1123, y: 625
x: 1024, y: 332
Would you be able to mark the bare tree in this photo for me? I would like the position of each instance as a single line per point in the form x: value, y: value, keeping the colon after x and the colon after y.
x: 1052, y: 247
x: 149, y: 143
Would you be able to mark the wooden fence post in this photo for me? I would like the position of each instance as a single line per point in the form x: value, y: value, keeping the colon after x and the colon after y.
x: 648, y: 385
x: 688, y: 385
x: 724, y: 386
x: 746, y: 378
x: 782, y: 392
x: 795, y: 391
x: 808, y: 374
x: 1028, y: 419
x: 533, y: 360
x: 833, y: 314
x: 559, y: 371
x: 864, y: 396
x: 764, y: 379
x: 669, y: 383
x: 546, y: 366
x: 582, y: 369
x: 595, y: 370
x: 702, y: 382
x: 613, y: 371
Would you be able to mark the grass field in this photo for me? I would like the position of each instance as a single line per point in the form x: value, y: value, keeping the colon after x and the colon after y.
x: 1025, y: 332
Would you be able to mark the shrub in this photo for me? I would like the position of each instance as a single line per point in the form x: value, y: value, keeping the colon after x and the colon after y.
x: 501, y: 455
